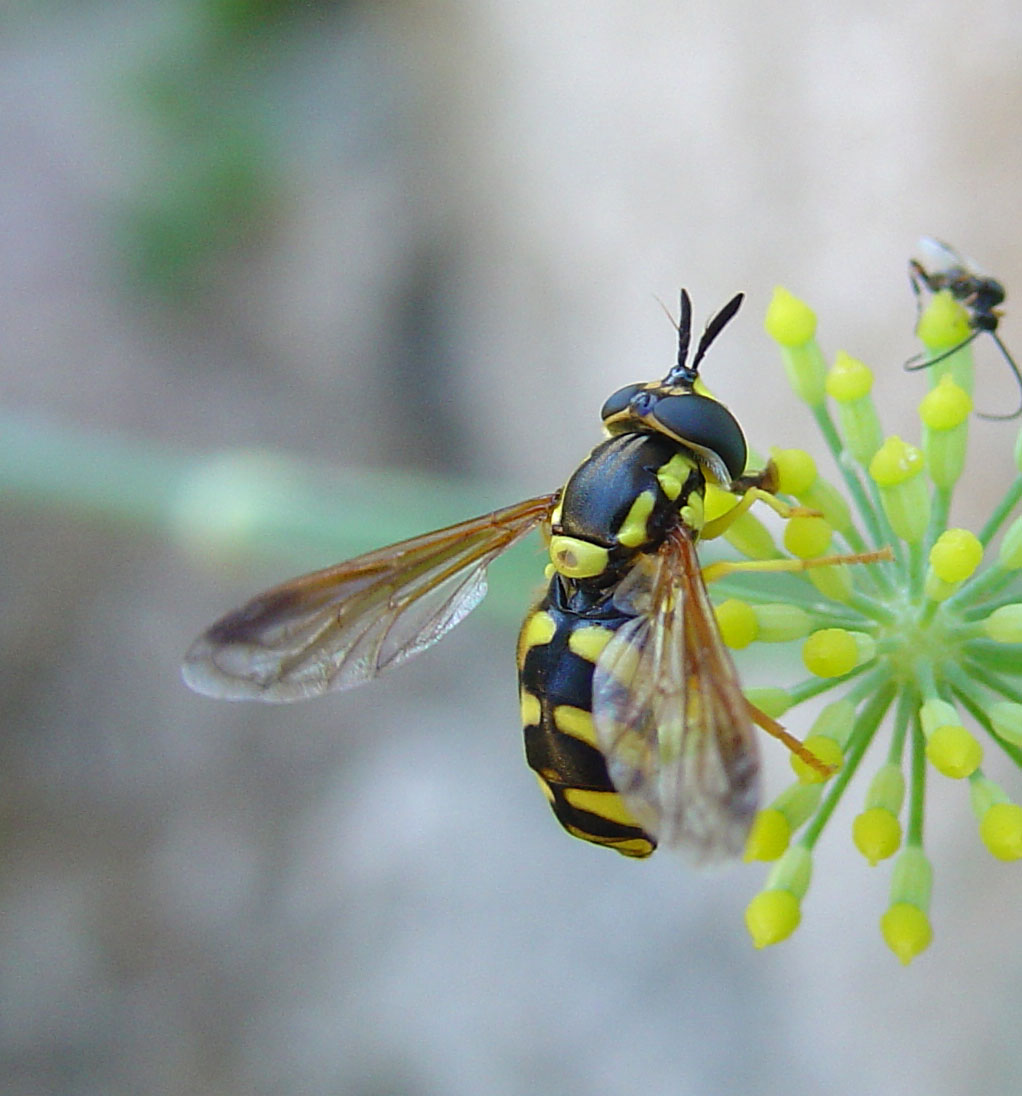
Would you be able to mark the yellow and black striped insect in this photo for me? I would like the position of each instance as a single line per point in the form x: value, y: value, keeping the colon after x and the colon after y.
x: 635, y: 722
x: 978, y: 293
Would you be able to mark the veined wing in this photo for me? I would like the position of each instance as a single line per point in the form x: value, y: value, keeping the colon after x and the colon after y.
x: 670, y: 715
x: 347, y: 624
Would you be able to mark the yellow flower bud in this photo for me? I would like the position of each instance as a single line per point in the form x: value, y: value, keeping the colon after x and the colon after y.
x: 833, y: 652
x: 849, y: 379
x: 769, y: 837
x: 770, y: 699
x: 749, y: 536
x: 780, y: 623
x: 796, y: 471
x: 945, y: 406
x: 772, y: 916
x: 848, y: 384
x: 944, y: 323
x: 906, y: 930
x: 824, y: 749
x: 789, y: 321
x: 1006, y: 719
x: 953, y: 751
x: 1001, y: 831
x: 956, y: 555
x: 737, y: 622
x: 877, y: 834
x: 807, y: 537
x: 1004, y: 625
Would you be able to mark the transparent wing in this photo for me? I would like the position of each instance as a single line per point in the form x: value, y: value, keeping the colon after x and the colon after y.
x: 940, y: 258
x: 347, y: 624
x: 670, y: 715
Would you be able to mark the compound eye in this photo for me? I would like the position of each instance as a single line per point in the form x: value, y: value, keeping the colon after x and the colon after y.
x: 619, y: 401
x: 704, y: 424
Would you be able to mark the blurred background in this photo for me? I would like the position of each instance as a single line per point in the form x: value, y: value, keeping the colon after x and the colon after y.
x: 285, y: 281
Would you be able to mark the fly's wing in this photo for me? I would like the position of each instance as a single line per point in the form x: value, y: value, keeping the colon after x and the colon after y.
x: 670, y: 715
x: 347, y: 624
x: 941, y: 259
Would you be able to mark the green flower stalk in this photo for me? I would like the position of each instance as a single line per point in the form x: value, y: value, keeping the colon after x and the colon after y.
x: 922, y: 653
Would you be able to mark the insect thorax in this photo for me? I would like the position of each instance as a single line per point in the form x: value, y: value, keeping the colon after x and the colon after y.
x: 622, y: 500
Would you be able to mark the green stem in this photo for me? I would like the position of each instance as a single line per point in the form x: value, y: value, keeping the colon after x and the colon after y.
x: 967, y: 699
x: 908, y: 705
x: 1001, y: 512
x: 816, y: 686
x: 866, y: 725
x: 940, y: 508
x: 852, y: 481
x: 982, y: 584
x: 917, y: 787
x: 916, y: 568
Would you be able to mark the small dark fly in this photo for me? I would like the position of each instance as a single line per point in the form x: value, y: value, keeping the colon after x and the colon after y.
x: 978, y: 293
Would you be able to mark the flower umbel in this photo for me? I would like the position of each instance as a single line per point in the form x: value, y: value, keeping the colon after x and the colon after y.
x: 932, y: 638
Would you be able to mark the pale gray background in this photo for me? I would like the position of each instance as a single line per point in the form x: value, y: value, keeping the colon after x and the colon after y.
x: 476, y: 204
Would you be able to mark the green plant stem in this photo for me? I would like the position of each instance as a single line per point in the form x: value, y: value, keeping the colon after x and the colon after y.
x: 866, y: 725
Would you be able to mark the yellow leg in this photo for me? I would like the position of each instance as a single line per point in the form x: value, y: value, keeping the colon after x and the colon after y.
x: 719, y: 526
x: 714, y: 571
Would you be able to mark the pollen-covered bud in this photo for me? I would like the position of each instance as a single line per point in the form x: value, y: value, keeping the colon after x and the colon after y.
x: 849, y: 383
x: 1004, y: 625
x: 737, y: 623
x: 953, y: 558
x: 826, y: 751
x: 834, y: 652
x: 877, y: 831
x: 950, y: 748
x: 807, y: 537
x: 943, y: 324
x: 877, y: 834
x: 906, y: 924
x: 945, y: 414
x: 792, y: 324
x: 749, y: 536
x: 1000, y: 820
x: 771, y: 699
x: 796, y: 471
x: 779, y: 622
x: 773, y: 826
x: 789, y: 321
x: 1006, y: 719
x: 825, y: 497
x: 1001, y: 830
x: 826, y: 741
x: 895, y: 468
x: 769, y: 837
x: 956, y: 555
x: 774, y: 913
x: 906, y: 930
x: 746, y: 533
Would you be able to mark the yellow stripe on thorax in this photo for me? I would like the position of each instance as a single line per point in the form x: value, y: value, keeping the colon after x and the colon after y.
x: 589, y: 640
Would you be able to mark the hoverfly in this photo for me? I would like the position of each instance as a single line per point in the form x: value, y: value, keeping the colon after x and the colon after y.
x: 635, y: 723
x: 978, y: 293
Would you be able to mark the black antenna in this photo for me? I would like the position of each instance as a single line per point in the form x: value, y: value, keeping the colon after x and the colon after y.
x: 715, y: 325
x: 681, y: 370
x: 683, y: 373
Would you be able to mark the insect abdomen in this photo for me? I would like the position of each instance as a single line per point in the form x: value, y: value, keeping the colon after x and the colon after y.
x: 557, y: 650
